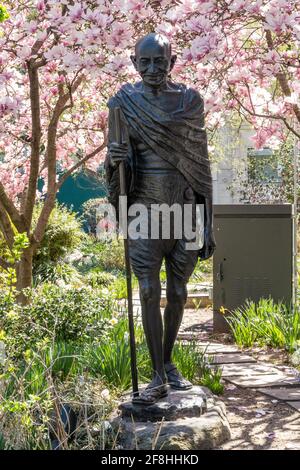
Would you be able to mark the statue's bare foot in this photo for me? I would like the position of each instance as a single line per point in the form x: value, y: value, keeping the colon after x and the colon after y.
x: 156, y: 390
x: 175, y: 379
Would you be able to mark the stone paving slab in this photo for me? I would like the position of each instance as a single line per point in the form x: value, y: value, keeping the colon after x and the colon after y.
x: 257, y: 375
x: 294, y: 404
x: 233, y: 370
x: 285, y: 394
x: 263, y: 380
x: 217, y: 348
x: 235, y: 358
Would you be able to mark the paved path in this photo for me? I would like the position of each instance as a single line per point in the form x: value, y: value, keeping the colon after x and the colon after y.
x: 252, y: 379
x: 238, y: 368
x: 242, y: 369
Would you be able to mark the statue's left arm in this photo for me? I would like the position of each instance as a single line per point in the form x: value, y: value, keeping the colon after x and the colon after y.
x: 209, y: 241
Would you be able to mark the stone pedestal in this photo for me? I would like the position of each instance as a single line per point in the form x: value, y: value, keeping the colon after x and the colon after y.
x: 184, y: 420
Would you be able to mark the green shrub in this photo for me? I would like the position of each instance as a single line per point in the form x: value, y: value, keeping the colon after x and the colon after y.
x: 68, y: 314
x: 195, y: 366
x: 103, y: 255
x: 11, y: 256
x: 211, y: 378
x: 202, y: 271
x: 266, y: 323
x: 188, y: 359
x: 110, y: 359
x: 89, y: 213
x: 4, y: 15
x: 119, y: 288
x: 52, y: 272
x: 58, y: 360
x: 99, y: 278
x: 63, y: 234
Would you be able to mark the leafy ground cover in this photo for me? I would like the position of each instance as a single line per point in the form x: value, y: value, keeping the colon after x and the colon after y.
x: 68, y: 348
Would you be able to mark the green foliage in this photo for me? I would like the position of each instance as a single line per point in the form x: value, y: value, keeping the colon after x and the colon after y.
x: 47, y: 346
x: 58, y: 360
x: 105, y: 256
x: 119, y: 288
x: 20, y: 243
x: 2, y: 442
x: 99, y: 278
x: 266, y: 323
x: 211, y: 378
x: 202, y: 271
x: 67, y: 314
x: 89, y: 213
x: 11, y: 256
x: 188, y: 359
x: 63, y: 234
x: 195, y: 366
x: 4, y: 15
x: 110, y: 359
x: 53, y: 272
x: 270, y: 177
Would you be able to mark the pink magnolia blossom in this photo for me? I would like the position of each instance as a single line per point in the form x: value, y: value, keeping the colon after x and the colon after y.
x: 57, y: 52
x: 24, y: 52
x: 76, y: 12
x: 260, y: 138
x: 118, y: 64
x: 201, y: 46
x: 41, y: 6
x: 221, y: 47
x: 167, y: 29
x: 120, y: 36
x: 238, y: 5
x: 198, y: 24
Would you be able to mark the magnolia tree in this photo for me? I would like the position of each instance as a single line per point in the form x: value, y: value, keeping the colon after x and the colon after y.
x: 60, y: 61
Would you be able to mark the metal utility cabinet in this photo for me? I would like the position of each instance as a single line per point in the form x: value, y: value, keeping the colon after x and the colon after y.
x: 253, y: 258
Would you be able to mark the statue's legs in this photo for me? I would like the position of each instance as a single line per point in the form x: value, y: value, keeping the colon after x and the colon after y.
x: 150, y: 292
x: 180, y: 263
x: 176, y: 299
x: 146, y: 257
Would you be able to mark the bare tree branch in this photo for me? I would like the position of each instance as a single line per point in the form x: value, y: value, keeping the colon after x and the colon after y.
x: 4, y: 264
x: 266, y: 116
x: 79, y: 163
x: 11, y: 209
x: 5, y: 226
x: 282, y: 78
x: 50, y: 161
x: 35, y: 141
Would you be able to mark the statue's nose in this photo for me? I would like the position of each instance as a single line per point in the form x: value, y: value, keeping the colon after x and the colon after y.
x: 152, y: 67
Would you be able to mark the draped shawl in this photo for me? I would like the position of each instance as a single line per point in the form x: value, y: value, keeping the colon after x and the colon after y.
x: 178, y: 137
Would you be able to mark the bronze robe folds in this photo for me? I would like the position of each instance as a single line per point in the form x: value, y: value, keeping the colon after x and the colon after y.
x: 178, y: 137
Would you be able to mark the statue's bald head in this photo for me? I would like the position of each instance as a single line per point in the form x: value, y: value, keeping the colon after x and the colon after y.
x: 153, y: 59
x: 153, y: 40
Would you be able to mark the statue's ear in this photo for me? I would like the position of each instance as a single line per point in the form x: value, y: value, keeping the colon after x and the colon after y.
x: 173, y: 60
x: 133, y: 60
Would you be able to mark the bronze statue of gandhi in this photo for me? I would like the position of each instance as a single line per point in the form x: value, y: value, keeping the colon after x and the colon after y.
x: 166, y: 161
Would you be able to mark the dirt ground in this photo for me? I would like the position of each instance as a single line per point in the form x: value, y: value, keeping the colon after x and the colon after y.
x: 257, y: 422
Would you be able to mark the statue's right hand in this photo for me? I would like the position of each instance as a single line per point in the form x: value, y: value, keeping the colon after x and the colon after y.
x: 117, y: 153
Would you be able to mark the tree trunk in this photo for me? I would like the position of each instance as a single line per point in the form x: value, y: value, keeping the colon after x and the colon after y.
x: 24, y: 275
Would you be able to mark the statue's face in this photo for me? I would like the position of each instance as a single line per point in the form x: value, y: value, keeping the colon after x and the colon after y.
x: 153, y: 61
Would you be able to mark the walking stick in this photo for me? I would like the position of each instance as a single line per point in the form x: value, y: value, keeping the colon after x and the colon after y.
x: 134, y: 377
